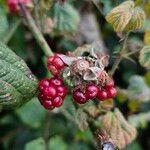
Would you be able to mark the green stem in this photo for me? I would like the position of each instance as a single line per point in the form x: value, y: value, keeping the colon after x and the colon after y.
x: 98, y: 7
x: 120, y: 57
x: 46, y: 129
x: 68, y: 116
x: 36, y: 32
x: 11, y: 31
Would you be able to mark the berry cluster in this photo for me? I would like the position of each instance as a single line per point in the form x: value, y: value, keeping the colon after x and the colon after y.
x: 14, y: 7
x: 52, y: 93
x: 55, y: 65
x: 92, y: 92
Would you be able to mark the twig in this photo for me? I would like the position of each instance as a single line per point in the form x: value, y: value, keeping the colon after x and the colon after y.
x: 36, y: 32
x: 98, y: 7
x: 118, y: 60
x: 10, y: 134
x: 131, y: 53
x: 46, y: 129
x: 68, y: 116
x: 11, y: 31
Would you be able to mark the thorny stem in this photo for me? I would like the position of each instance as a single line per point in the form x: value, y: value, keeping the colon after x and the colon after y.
x: 36, y: 32
x: 11, y: 31
x: 120, y: 57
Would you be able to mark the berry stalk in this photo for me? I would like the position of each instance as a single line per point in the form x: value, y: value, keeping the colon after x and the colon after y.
x: 118, y: 60
x: 36, y: 32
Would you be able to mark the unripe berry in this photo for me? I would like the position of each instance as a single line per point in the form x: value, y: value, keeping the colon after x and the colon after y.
x: 102, y: 95
x: 41, y: 98
x: 50, y: 92
x: 112, y: 92
x: 109, y: 84
x: 55, y: 64
x: 53, y: 70
x: 58, y: 62
x: 14, y: 7
x: 57, y: 102
x: 91, y: 91
x: 50, y: 60
x: 43, y: 84
x: 48, y: 105
x: 79, y: 97
x: 56, y: 81
x: 62, y: 91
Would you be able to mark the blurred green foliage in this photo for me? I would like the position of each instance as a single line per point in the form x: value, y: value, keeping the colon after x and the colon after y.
x: 31, y: 127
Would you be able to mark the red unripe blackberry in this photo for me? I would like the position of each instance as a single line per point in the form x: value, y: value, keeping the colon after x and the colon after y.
x: 112, y: 92
x: 55, y: 64
x: 109, y: 84
x: 53, y: 70
x: 61, y: 91
x: 50, y: 60
x: 14, y: 7
x: 79, y: 97
x: 56, y: 81
x: 57, y: 102
x: 50, y: 92
x: 102, y: 95
x: 91, y: 91
x: 48, y: 105
x: 58, y: 62
x: 43, y: 84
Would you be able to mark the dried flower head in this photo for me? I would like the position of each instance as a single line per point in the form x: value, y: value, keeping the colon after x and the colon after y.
x: 79, y: 66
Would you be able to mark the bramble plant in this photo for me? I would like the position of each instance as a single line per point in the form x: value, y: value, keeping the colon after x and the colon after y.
x: 87, y: 90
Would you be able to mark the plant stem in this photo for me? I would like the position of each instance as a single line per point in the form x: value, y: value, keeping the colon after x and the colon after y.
x: 118, y: 60
x: 98, y: 7
x: 68, y: 116
x: 11, y: 31
x: 46, y: 129
x: 36, y: 32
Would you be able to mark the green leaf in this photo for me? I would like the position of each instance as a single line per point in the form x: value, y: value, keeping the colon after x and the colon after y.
x: 134, y: 146
x: 3, y: 22
x: 126, y: 17
x: 32, y: 113
x: 66, y: 18
x: 137, y: 20
x: 37, y: 144
x: 139, y: 120
x: 17, y: 84
x: 145, y: 57
x: 57, y: 143
x: 69, y: 106
x: 137, y: 89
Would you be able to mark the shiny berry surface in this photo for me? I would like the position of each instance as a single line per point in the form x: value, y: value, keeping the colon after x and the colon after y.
x: 62, y: 91
x: 112, y: 92
x: 57, y: 102
x: 91, y: 91
x: 50, y: 60
x: 102, y: 95
x: 41, y: 97
x: 14, y: 7
x: 55, y: 64
x: 53, y: 70
x: 58, y: 62
x: 56, y: 81
x: 109, y: 84
x: 43, y: 84
x: 79, y: 97
x: 48, y: 105
x: 50, y: 92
